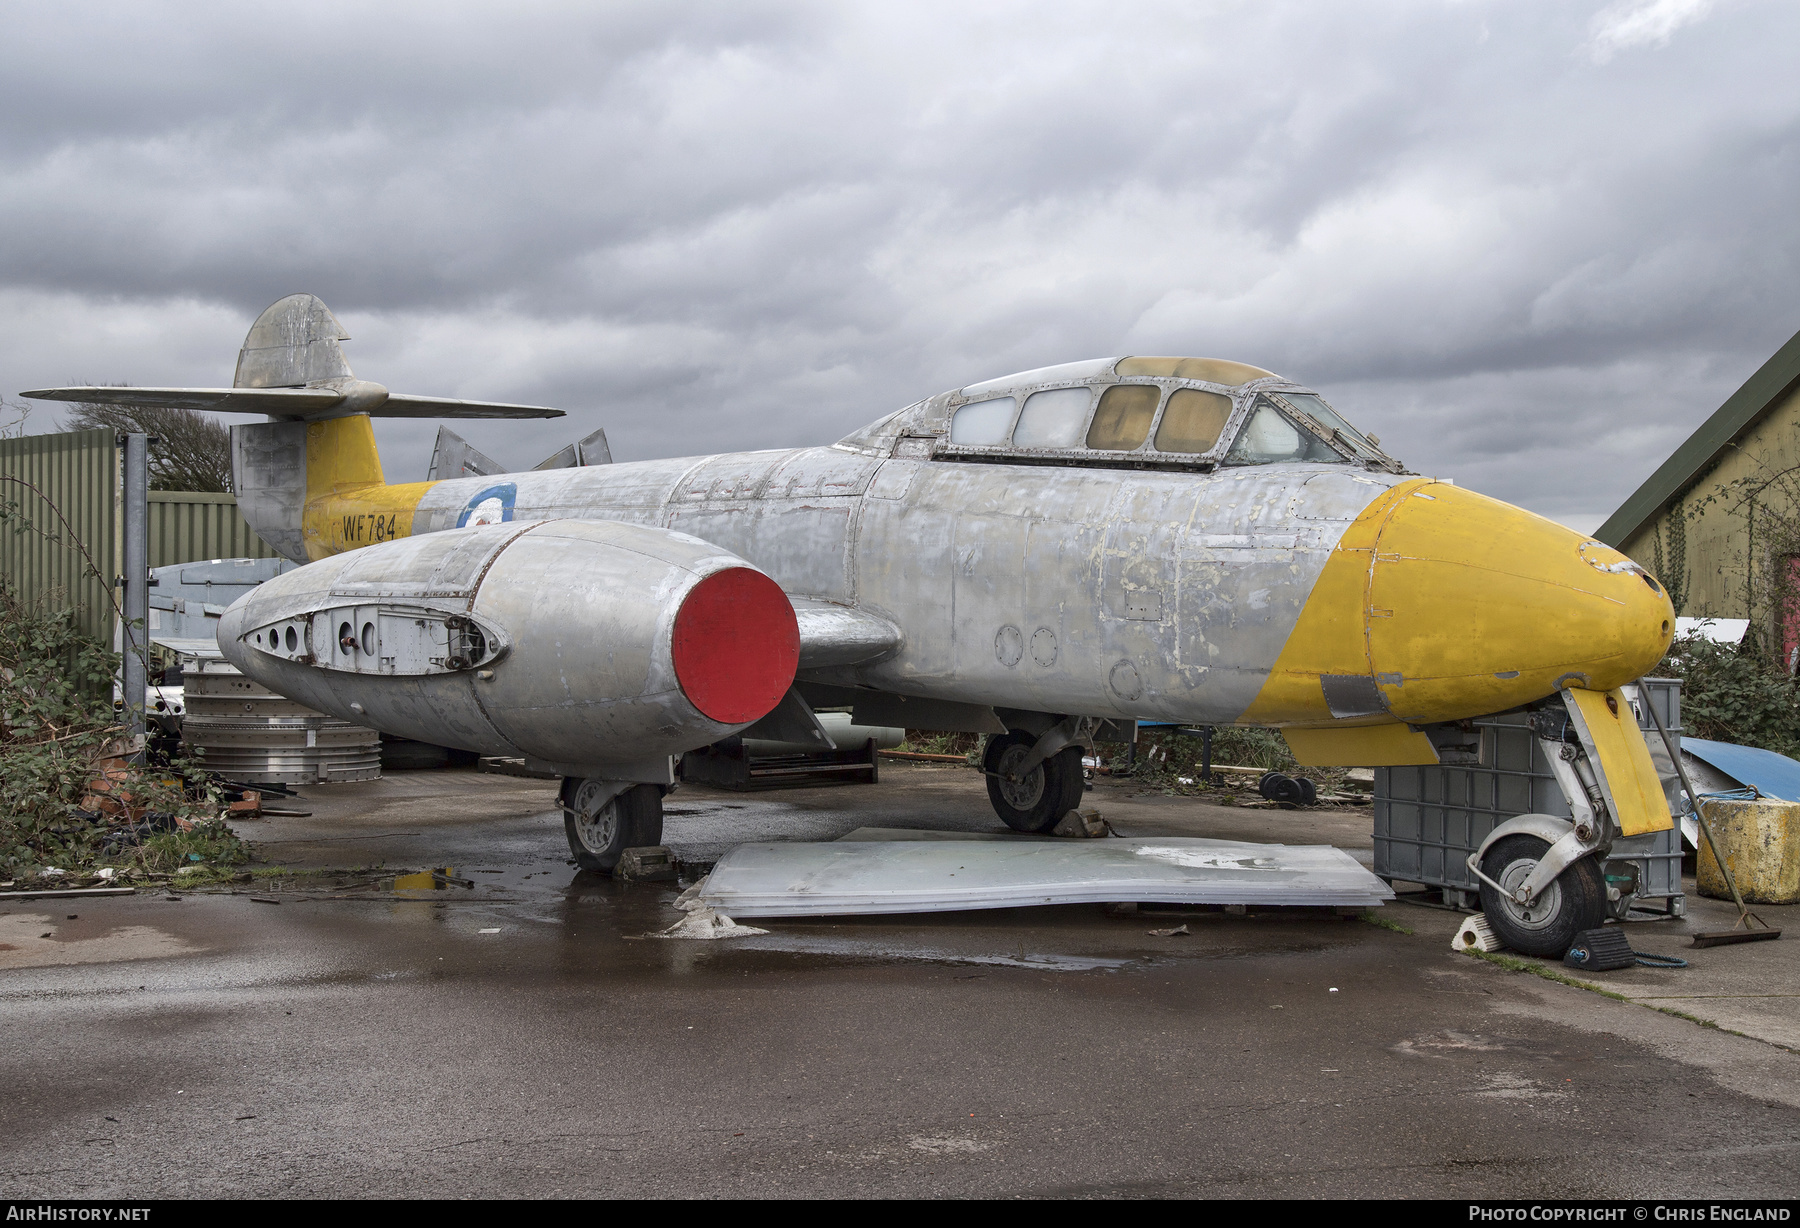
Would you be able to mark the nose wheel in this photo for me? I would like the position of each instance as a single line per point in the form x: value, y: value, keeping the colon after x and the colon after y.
x: 602, y: 819
x: 1546, y: 924
x: 1034, y: 800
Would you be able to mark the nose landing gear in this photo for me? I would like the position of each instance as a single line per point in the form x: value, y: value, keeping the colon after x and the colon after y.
x: 1546, y: 922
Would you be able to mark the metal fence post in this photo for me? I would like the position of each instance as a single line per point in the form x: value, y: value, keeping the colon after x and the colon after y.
x: 136, y: 604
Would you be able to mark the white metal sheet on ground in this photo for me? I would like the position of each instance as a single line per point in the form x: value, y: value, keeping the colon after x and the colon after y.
x: 860, y: 876
x: 879, y: 834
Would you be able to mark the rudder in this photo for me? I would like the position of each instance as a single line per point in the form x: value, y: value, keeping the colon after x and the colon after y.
x: 311, y: 489
x: 293, y: 343
x: 314, y: 489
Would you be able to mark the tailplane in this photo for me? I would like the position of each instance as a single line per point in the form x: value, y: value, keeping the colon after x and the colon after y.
x: 309, y: 480
x: 292, y: 368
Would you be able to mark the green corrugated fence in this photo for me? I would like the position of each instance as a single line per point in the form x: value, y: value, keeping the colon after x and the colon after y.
x: 77, y: 473
x: 188, y: 525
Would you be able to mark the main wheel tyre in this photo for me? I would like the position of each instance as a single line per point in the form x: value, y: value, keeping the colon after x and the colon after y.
x: 1576, y: 901
x: 601, y: 827
x: 1038, y: 799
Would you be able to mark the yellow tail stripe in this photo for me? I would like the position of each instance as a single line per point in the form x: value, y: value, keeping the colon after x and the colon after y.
x: 348, y: 502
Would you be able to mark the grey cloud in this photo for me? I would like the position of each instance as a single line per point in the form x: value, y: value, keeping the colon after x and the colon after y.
x: 762, y: 224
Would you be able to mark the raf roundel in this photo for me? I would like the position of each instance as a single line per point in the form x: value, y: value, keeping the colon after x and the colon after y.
x: 493, y: 505
x: 736, y: 645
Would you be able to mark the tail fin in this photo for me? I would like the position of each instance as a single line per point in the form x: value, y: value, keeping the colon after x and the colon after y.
x: 280, y: 469
x: 293, y: 343
x: 308, y: 480
x: 314, y: 489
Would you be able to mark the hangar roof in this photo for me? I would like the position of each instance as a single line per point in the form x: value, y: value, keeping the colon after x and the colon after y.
x: 1742, y: 410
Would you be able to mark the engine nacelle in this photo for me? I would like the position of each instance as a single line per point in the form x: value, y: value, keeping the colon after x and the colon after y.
x: 586, y: 645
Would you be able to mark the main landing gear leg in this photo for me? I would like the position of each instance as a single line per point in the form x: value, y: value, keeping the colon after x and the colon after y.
x: 603, y: 818
x: 1034, y: 800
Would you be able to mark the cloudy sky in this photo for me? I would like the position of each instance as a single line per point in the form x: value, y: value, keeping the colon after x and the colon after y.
x: 1531, y: 244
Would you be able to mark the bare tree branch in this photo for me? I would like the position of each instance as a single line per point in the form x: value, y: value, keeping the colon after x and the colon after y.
x: 12, y: 418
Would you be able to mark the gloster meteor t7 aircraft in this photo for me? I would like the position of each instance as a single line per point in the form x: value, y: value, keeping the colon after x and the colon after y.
x: 1037, y: 558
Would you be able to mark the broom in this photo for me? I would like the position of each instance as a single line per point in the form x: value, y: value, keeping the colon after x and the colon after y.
x: 1742, y: 931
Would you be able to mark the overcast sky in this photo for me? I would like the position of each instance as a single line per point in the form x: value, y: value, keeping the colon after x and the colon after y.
x: 1532, y: 245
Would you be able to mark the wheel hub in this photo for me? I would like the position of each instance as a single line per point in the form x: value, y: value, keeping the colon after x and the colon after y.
x: 1540, y: 911
x: 596, y: 816
x: 1021, y: 792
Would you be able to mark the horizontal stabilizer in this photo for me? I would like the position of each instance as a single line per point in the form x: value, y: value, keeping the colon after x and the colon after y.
x: 402, y: 406
x: 298, y: 404
x: 292, y: 368
x: 839, y: 635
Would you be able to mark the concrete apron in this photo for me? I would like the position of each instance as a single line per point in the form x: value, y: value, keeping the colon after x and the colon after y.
x: 480, y: 823
x: 1752, y: 989
x: 497, y: 830
x: 523, y: 1036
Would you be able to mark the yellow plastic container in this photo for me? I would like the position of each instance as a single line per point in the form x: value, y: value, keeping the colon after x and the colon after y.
x: 1760, y: 841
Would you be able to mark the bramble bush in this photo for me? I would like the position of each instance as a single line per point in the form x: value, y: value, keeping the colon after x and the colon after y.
x: 58, y: 734
x: 1731, y: 694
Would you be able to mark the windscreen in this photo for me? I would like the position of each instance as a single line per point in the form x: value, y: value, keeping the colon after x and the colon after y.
x: 1271, y: 435
x: 1314, y: 407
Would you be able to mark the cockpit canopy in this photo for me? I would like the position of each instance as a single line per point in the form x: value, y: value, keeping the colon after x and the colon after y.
x: 1164, y: 413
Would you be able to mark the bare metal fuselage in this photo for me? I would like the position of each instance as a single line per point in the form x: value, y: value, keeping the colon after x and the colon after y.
x: 1132, y: 594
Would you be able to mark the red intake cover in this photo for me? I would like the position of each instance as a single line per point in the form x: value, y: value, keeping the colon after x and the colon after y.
x: 736, y: 645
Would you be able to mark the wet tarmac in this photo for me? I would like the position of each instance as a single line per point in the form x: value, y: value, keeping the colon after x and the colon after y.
x: 531, y: 1036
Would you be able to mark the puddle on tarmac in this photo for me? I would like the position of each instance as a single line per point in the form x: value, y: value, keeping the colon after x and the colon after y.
x: 38, y: 940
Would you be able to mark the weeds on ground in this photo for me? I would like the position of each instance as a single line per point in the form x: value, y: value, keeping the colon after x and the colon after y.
x: 1550, y: 973
x: 1513, y: 963
x: 210, y: 844
x: 934, y: 742
x: 211, y: 874
x: 1169, y: 762
x: 68, y: 799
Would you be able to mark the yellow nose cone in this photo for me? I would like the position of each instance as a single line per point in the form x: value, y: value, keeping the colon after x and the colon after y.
x: 1475, y: 606
x: 1441, y: 604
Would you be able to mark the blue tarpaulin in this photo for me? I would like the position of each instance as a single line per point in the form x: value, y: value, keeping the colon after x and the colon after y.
x: 1771, y: 774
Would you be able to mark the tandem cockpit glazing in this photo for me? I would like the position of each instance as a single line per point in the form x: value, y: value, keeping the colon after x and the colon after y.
x: 1151, y: 413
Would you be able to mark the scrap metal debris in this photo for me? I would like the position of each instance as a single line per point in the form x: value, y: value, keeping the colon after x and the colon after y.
x: 709, y: 923
x: 703, y: 921
x: 924, y: 875
x: 1083, y: 825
